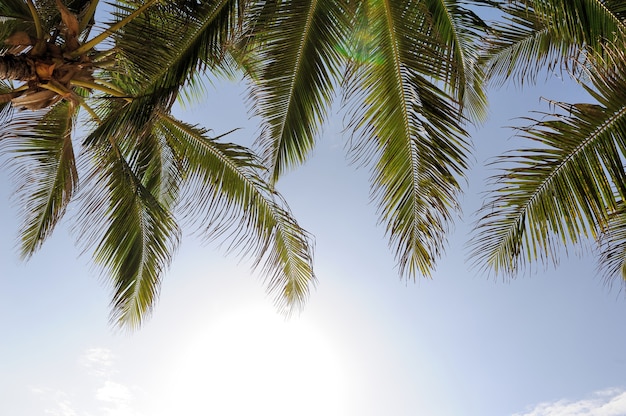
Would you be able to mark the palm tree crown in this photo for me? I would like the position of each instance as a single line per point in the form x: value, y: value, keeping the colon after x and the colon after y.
x: 140, y: 168
x: 410, y: 78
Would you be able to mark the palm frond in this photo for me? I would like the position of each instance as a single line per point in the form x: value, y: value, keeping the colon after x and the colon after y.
x: 566, y: 187
x: 554, y: 35
x: 183, y: 43
x: 242, y: 211
x: 585, y: 22
x: 522, y: 45
x: 15, y: 9
x: 162, y: 170
x: 410, y: 130
x: 460, y: 30
x: 612, y: 244
x: 40, y: 145
x: 294, y: 74
x: 133, y: 235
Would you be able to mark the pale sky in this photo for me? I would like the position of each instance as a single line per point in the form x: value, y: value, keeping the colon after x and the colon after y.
x: 367, y: 343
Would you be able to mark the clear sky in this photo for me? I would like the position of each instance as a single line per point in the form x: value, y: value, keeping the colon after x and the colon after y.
x: 367, y: 344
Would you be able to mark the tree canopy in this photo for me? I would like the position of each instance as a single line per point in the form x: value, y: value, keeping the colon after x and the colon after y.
x: 86, y: 96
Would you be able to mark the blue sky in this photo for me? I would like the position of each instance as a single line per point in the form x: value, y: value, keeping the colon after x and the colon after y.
x: 367, y: 344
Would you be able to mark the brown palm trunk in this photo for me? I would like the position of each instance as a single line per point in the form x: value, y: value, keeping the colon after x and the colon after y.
x: 17, y: 68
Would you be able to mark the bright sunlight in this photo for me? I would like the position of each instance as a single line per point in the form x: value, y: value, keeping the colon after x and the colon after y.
x: 255, y: 363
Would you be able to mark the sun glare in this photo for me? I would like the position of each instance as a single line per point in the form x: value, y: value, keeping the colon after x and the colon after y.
x: 254, y: 363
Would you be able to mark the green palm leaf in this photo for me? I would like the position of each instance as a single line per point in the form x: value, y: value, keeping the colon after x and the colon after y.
x: 175, y: 58
x: 14, y: 16
x: 592, y: 23
x: 242, y: 211
x: 565, y: 188
x: 150, y: 79
x: 550, y: 34
x: 133, y: 234
x: 459, y: 30
x: 410, y: 130
x: 522, y: 45
x: 295, y: 71
x: 612, y: 242
x: 45, y: 173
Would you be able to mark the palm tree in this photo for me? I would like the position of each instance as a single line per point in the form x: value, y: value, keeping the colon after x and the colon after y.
x: 570, y: 186
x: 410, y: 80
x: 140, y: 168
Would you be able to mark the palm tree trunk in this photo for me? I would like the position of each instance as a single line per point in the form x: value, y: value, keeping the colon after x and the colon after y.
x: 17, y: 68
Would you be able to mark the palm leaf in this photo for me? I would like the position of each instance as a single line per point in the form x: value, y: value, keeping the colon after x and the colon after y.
x: 162, y: 170
x: 15, y: 9
x: 612, y: 243
x: 133, y: 234
x: 567, y: 186
x: 294, y: 74
x: 177, y: 55
x: 150, y: 79
x: 45, y: 170
x: 459, y: 30
x: 549, y: 34
x: 241, y: 210
x: 522, y: 45
x: 585, y: 22
x: 410, y: 130
x: 14, y: 17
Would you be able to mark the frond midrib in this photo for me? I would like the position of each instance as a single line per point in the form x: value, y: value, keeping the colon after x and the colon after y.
x: 457, y: 43
x: 505, y: 52
x: 405, y: 116
x: 139, y: 274
x: 292, y: 85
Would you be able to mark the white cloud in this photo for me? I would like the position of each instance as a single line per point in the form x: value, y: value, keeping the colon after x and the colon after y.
x: 99, y: 361
x: 610, y: 402
x: 98, y: 390
x: 58, y: 403
x: 113, y: 392
x: 117, y: 398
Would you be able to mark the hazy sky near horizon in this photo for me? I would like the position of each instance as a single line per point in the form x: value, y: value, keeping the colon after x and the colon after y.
x: 367, y: 343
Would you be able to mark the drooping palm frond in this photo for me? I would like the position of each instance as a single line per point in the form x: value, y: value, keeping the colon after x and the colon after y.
x: 40, y: 148
x: 612, y: 244
x: 565, y: 188
x: 460, y: 29
x: 295, y: 71
x: 522, y: 44
x: 161, y: 168
x: 242, y: 211
x: 409, y: 130
x: 552, y: 35
x: 148, y: 80
x: 133, y: 234
x: 592, y: 23
x: 176, y: 56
